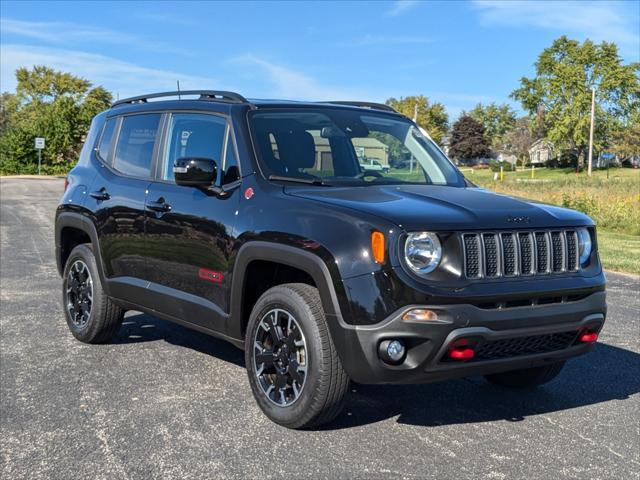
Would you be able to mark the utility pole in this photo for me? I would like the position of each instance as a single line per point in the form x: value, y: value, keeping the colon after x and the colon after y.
x: 593, y: 113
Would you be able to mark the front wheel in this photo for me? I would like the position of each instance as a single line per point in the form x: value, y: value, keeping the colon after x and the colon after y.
x: 526, y: 377
x: 294, y: 371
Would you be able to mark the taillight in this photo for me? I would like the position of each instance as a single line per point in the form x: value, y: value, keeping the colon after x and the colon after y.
x: 66, y: 184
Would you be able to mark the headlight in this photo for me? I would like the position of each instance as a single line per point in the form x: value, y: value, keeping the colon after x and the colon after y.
x: 422, y: 252
x: 584, y: 245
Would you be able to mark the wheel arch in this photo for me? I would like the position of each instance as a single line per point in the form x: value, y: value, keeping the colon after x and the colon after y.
x: 304, y: 261
x: 73, y: 223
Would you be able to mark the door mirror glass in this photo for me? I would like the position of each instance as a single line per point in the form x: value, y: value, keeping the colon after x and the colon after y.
x: 195, y: 172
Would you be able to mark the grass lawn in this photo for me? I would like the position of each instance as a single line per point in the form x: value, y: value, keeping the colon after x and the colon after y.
x: 619, y: 252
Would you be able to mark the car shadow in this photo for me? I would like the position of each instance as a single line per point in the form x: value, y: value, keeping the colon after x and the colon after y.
x: 140, y: 327
x: 607, y: 373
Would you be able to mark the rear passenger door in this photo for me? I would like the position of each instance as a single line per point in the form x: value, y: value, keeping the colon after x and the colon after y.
x: 118, y: 193
x: 190, y: 231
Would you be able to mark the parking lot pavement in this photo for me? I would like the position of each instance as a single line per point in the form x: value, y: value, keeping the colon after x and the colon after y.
x: 164, y: 401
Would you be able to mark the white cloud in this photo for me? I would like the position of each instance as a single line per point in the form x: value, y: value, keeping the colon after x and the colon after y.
x: 401, y: 6
x: 284, y: 82
x: 117, y: 76
x: 71, y: 34
x: 595, y: 20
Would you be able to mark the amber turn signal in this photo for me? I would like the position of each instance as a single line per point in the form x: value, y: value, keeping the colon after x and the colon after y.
x: 420, y: 315
x: 377, y: 246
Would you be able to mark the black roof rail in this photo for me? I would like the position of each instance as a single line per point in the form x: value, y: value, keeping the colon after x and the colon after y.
x: 372, y: 105
x: 204, y: 95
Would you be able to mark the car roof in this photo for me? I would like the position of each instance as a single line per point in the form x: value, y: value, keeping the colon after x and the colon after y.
x: 223, y: 101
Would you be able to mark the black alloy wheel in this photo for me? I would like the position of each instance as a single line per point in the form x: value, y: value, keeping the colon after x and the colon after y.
x: 280, y: 357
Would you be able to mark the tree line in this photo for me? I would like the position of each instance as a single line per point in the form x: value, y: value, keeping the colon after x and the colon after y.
x: 556, y: 100
x: 557, y: 106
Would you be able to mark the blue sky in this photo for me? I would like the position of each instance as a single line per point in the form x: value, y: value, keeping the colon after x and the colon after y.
x: 456, y: 52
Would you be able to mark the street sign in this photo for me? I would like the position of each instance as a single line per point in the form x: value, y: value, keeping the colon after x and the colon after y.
x: 39, y: 147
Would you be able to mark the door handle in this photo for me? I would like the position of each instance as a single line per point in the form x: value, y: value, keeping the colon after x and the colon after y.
x: 159, y: 206
x: 100, y: 195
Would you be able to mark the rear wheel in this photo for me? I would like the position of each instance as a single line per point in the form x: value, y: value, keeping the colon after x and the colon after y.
x: 294, y: 370
x: 91, y: 315
x: 526, y: 377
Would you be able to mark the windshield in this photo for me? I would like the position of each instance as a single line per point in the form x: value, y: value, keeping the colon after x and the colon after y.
x: 327, y: 146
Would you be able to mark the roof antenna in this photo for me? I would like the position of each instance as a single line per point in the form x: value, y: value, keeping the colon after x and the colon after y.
x: 178, y: 82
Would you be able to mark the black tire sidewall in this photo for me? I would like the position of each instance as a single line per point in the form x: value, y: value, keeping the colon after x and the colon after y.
x: 292, y: 415
x: 90, y: 330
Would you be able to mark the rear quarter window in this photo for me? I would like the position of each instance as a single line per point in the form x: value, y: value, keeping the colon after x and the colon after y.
x: 134, y: 151
x: 106, y: 139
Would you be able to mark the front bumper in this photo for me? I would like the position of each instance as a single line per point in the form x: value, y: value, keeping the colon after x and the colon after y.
x: 427, y: 342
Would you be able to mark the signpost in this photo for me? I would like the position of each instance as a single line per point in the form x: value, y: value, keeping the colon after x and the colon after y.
x: 39, y: 147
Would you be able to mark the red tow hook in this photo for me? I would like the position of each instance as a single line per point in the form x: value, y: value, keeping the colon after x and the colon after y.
x: 460, y: 350
x: 588, y: 337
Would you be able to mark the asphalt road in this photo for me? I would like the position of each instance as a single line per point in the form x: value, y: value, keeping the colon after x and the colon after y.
x: 163, y: 401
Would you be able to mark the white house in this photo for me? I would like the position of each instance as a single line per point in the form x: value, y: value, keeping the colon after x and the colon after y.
x: 541, y: 151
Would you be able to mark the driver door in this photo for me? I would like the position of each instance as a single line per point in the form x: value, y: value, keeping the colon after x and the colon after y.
x: 189, y: 230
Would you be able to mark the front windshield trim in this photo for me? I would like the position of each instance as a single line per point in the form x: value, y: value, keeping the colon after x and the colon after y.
x: 458, y: 180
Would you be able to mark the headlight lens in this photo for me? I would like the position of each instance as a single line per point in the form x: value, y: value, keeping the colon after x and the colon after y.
x: 584, y: 245
x: 422, y: 252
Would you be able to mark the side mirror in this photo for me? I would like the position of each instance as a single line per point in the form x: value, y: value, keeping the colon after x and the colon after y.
x: 195, y: 172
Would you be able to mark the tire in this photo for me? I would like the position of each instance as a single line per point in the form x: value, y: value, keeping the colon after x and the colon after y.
x: 305, y: 344
x: 526, y: 377
x: 91, y: 315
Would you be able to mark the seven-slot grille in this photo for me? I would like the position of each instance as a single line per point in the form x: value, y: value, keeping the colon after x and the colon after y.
x: 511, y: 254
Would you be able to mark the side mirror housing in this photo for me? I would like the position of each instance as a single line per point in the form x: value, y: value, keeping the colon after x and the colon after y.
x: 195, y: 172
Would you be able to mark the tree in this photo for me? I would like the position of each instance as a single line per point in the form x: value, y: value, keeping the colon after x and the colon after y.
x: 497, y: 120
x: 519, y: 139
x: 431, y: 116
x: 468, y: 140
x: 560, y: 93
x: 626, y: 140
x: 51, y: 104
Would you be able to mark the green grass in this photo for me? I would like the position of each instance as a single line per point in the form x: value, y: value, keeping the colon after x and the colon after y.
x: 619, y: 252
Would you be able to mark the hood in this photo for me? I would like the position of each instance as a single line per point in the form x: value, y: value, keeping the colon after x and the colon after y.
x: 435, y: 207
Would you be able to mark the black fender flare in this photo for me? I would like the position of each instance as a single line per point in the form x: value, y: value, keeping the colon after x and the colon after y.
x: 81, y: 222
x: 288, y: 255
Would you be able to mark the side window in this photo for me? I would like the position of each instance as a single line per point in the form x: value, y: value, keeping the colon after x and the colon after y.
x: 134, y: 150
x: 194, y: 135
x: 106, y: 139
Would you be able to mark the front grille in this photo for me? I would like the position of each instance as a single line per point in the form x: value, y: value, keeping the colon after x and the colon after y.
x: 511, y: 254
x: 531, y: 345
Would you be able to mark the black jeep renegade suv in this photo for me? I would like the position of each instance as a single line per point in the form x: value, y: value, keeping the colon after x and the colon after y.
x: 258, y: 222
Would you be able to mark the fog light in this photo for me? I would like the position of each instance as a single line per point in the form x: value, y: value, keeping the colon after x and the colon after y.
x: 392, y: 351
x: 420, y: 315
x: 395, y: 350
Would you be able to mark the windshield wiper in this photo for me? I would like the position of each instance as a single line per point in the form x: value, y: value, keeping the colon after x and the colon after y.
x: 308, y: 181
